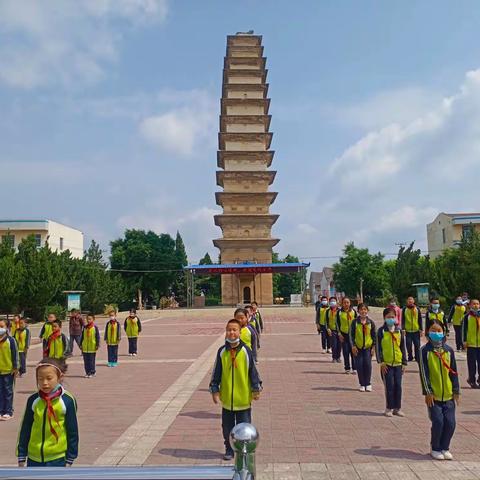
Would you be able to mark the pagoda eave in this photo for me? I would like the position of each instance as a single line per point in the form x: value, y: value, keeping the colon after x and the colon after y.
x: 245, y: 120
x: 226, y: 243
x: 245, y: 198
x: 267, y: 175
x: 245, y: 102
x: 230, y: 219
x: 261, y: 74
x: 245, y: 87
x: 252, y: 156
x: 244, y: 39
x: 265, y: 138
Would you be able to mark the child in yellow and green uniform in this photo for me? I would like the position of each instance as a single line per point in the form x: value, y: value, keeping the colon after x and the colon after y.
x: 89, y: 343
x: 8, y: 371
x: 49, y: 430
x: 471, y: 341
x: 438, y: 374
x: 332, y: 329
x: 345, y: 316
x: 112, y: 338
x: 247, y: 332
x: 22, y: 337
x: 258, y: 316
x: 412, y: 326
x: 392, y: 357
x: 362, y: 340
x: 132, y: 327
x: 47, y: 329
x: 235, y: 382
x: 436, y: 314
x: 57, y: 344
x: 15, y: 324
x: 455, y: 317
x: 321, y: 322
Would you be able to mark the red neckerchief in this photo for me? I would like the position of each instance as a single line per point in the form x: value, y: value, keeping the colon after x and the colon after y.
x: 48, y: 398
x: 349, y: 316
x: 364, y: 326
x: 233, y: 356
x: 51, y: 339
x: 444, y: 362
x: 89, y: 326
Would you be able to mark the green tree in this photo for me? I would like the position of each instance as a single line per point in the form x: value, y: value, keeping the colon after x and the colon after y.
x: 286, y: 284
x: 180, y: 283
x: 148, y: 261
x: 11, y: 276
x: 358, y: 265
x: 209, y: 284
x: 43, y: 278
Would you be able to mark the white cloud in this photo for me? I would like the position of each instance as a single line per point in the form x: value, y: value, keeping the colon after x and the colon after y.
x: 398, y: 106
x: 65, y: 42
x: 165, y: 214
x: 306, y: 228
x: 184, y: 129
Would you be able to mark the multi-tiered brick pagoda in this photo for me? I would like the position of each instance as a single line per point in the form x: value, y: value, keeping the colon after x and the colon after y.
x: 244, y: 156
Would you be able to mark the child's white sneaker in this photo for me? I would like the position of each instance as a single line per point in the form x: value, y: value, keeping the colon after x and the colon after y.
x: 134, y: 354
x: 353, y: 372
x: 437, y: 455
x: 368, y: 388
x: 388, y: 413
x: 362, y: 389
x: 324, y: 351
x: 6, y: 417
x: 398, y: 413
x: 87, y: 376
x: 447, y: 455
x: 347, y: 371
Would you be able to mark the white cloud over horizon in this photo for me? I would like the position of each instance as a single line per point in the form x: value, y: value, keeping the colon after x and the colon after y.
x: 65, y: 42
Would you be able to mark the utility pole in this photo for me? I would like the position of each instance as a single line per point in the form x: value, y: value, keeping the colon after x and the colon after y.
x: 361, y: 290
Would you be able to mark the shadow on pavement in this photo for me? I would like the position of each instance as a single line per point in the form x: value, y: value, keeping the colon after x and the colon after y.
x: 470, y: 412
x: 392, y: 453
x: 200, y: 414
x: 317, y: 372
x: 188, y: 453
x: 335, y: 389
x: 355, y: 413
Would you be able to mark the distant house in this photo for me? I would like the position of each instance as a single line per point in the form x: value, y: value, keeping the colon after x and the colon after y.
x: 322, y: 283
x: 59, y: 237
x: 447, y: 230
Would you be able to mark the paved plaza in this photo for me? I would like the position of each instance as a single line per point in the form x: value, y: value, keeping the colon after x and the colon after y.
x: 156, y: 410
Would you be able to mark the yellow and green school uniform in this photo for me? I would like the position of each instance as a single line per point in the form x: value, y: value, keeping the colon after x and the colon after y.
x: 246, y: 337
x: 48, y: 434
x: 439, y: 317
x: 90, y: 339
x: 438, y: 372
x: 56, y: 347
x: 235, y: 377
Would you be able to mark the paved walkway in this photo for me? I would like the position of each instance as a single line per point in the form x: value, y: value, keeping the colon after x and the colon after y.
x: 155, y: 409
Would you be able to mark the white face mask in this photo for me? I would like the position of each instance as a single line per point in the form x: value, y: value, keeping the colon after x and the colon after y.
x: 232, y: 341
x: 3, y: 331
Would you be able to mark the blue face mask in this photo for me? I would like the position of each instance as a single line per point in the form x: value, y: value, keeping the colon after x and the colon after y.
x: 436, y: 337
x: 435, y: 307
x: 324, y: 303
x: 333, y: 304
x: 390, y: 322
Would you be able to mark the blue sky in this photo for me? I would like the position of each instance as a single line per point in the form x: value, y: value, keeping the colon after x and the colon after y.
x: 109, y: 116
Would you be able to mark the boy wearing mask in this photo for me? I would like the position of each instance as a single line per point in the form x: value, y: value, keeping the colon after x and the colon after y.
x: 258, y: 316
x: 412, y: 326
x: 439, y: 378
x: 321, y: 321
x: 235, y: 382
x: 362, y: 340
x: 332, y: 329
x: 345, y: 316
x: 455, y: 317
x: 471, y: 342
x: 392, y: 357
x: 436, y: 315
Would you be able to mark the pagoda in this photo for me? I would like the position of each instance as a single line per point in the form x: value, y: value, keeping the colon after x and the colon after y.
x: 244, y: 157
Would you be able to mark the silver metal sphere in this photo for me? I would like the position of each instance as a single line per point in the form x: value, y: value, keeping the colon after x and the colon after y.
x: 244, y: 436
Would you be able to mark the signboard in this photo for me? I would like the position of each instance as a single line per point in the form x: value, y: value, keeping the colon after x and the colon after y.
x: 73, y: 301
x: 423, y: 294
x: 296, y: 300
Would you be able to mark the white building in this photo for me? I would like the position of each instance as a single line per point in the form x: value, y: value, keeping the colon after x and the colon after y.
x: 59, y: 237
x: 322, y: 284
x: 448, y: 229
